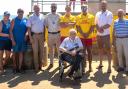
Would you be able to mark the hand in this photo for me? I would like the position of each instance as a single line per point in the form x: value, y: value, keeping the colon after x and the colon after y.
x: 13, y: 43
x: 101, y: 30
x: 85, y: 35
x: 31, y: 40
x: 73, y: 53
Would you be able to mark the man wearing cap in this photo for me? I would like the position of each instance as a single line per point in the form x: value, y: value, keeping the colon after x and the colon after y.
x: 52, y: 23
x: 103, y: 20
x: 85, y: 27
x: 36, y: 29
x: 5, y: 42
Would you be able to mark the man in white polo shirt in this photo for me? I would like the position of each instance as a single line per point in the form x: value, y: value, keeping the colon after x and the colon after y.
x: 103, y: 21
x: 36, y: 28
x: 52, y: 23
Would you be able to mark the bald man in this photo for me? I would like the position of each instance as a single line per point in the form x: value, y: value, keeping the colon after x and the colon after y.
x: 52, y: 23
x: 103, y: 20
x: 36, y: 27
x: 120, y: 39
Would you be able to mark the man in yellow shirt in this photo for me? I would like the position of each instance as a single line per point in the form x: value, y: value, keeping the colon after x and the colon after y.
x: 85, y: 26
x: 67, y: 22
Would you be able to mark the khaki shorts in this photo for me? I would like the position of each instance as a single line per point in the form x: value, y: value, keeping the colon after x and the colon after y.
x: 104, y: 42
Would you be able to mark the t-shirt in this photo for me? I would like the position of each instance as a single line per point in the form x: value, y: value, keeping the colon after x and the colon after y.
x: 85, y: 22
x: 65, y: 31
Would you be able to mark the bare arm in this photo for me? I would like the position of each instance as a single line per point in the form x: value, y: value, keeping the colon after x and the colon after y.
x: 91, y: 29
x: 113, y: 38
x: 64, y: 50
x: 79, y: 29
x: 29, y: 34
x: 11, y: 30
x: 106, y: 26
x: 2, y: 34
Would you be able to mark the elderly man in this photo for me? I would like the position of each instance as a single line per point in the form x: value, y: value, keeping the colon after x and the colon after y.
x: 85, y: 27
x: 52, y: 23
x: 103, y: 21
x: 120, y: 39
x: 70, y: 48
x: 36, y: 29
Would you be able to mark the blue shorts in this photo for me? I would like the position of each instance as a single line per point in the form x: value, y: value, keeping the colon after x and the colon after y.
x: 5, y: 44
x: 19, y: 47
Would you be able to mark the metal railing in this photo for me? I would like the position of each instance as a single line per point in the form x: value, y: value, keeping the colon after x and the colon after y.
x: 45, y: 4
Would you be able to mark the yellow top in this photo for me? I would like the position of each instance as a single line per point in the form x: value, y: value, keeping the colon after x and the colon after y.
x: 65, y: 31
x: 85, y: 22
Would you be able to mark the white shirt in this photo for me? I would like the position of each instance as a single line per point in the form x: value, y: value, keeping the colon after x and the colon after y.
x: 52, y: 22
x: 102, y: 19
x: 68, y: 43
x: 36, y: 23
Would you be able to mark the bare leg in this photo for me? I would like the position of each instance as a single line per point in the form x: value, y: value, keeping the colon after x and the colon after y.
x: 7, y: 53
x: 89, y: 50
x: 20, y: 60
x: 1, y: 63
x: 109, y: 60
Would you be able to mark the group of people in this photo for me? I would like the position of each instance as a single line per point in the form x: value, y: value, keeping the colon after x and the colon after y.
x: 65, y: 32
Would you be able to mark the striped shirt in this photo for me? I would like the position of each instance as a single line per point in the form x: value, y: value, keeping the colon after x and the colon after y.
x: 121, y: 28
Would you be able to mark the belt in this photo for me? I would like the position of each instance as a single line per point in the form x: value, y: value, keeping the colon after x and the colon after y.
x: 36, y: 33
x: 54, y: 32
x: 122, y: 37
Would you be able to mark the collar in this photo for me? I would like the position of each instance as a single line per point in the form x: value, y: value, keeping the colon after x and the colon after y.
x: 104, y: 12
x: 35, y: 14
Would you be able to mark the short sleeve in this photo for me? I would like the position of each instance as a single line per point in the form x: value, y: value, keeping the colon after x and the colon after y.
x: 29, y: 24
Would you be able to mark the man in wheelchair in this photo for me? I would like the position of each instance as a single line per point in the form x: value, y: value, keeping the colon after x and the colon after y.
x: 71, y: 51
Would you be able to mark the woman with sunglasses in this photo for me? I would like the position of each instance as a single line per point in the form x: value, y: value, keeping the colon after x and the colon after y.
x: 18, y: 33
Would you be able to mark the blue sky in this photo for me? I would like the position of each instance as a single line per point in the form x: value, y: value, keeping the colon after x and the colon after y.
x: 13, y: 5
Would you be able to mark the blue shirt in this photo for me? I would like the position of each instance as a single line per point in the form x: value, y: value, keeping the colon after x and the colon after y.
x: 121, y: 28
x: 5, y: 29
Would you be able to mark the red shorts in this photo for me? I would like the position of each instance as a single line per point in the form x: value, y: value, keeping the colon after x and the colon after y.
x: 87, y: 42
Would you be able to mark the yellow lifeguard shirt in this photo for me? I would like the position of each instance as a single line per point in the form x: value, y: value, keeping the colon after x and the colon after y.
x: 85, y: 22
x: 65, y: 31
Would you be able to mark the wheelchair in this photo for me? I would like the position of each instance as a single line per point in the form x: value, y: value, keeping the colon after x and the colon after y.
x: 76, y: 74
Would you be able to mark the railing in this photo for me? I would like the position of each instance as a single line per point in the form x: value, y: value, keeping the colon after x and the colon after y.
x: 93, y: 5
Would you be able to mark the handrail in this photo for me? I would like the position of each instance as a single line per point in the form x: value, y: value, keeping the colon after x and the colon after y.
x: 44, y: 3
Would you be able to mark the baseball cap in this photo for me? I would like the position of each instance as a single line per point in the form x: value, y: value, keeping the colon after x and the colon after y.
x: 6, y: 13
